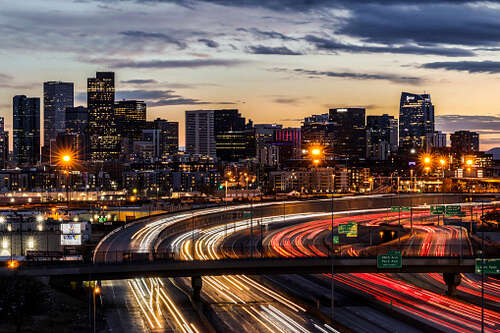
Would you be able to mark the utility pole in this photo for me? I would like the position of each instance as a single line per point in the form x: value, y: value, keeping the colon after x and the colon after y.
x: 332, y: 300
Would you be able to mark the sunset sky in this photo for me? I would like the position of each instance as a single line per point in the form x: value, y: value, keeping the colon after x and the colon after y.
x: 275, y: 60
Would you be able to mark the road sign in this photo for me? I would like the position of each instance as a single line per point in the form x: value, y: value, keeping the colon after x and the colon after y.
x: 247, y: 214
x: 336, y: 240
x: 437, y: 210
x: 491, y: 266
x: 353, y: 231
x: 395, y: 209
x: 391, y: 259
x: 453, y: 210
x: 405, y: 209
x: 350, y: 229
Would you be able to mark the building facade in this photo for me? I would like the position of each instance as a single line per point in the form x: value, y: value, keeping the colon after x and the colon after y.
x: 200, y: 136
x: 26, y: 116
x: 348, y: 127
x: 104, y: 140
x: 464, y: 142
x: 57, y: 96
x: 416, y: 120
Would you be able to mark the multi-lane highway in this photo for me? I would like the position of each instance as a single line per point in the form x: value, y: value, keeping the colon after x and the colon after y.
x: 240, y: 303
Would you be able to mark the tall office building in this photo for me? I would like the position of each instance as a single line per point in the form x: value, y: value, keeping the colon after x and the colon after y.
x: 233, y: 139
x: 200, y: 137
x: 348, y: 128
x: 77, y: 119
x: 57, y: 96
x: 4, y: 145
x: 316, y: 131
x: 169, y: 136
x: 104, y: 140
x: 382, y: 136
x: 131, y: 110
x: 130, y: 117
x: 464, y: 142
x: 416, y: 121
x: 26, y: 116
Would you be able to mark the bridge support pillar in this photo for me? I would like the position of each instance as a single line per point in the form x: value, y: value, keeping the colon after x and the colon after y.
x: 452, y: 280
x: 196, y: 284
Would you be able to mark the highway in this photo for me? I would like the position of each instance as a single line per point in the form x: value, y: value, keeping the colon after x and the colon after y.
x: 242, y: 303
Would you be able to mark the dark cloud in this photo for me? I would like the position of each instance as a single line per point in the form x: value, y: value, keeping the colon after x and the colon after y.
x: 185, y: 101
x: 281, y: 50
x: 191, y: 63
x: 487, y: 125
x: 438, y: 23
x: 267, y: 34
x: 331, y: 44
x: 209, y: 43
x: 304, y: 5
x: 139, y: 81
x: 351, y: 75
x: 286, y: 100
x: 490, y: 67
x: 154, y: 36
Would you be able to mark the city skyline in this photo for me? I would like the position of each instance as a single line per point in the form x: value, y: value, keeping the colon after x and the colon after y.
x: 263, y: 59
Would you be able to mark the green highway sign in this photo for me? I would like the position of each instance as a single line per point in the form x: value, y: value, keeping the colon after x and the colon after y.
x: 353, y: 231
x: 391, y: 259
x: 344, y: 228
x: 395, y: 209
x: 453, y: 209
x: 247, y: 214
x: 437, y: 210
x: 491, y: 266
x: 405, y: 209
x: 336, y: 240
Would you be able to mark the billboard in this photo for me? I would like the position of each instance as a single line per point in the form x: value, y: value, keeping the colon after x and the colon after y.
x: 71, y: 239
x: 71, y: 228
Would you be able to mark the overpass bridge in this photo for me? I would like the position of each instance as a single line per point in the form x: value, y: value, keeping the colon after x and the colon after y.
x: 451, y: 267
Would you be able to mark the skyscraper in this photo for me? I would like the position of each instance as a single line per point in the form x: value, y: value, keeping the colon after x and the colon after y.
x: 26, y: 115
x: 130, y: 117
x: 77, y: 120
x: 200, y: 138
x: 233, y: 140
x: 382, y: 136
x: 4, y: 145
x: 57, y: 96
x: 416, y: 120
x: 169, y: 136
x: 464, y: 142
x: 104, y: 139
x: 130, y: 110
x: 348, y: 127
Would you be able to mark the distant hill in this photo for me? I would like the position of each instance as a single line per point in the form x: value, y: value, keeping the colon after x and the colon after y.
x: 495, y: 152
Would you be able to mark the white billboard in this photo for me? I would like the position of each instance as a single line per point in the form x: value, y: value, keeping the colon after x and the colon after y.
x: 71, y: 228
x: 71, y: 239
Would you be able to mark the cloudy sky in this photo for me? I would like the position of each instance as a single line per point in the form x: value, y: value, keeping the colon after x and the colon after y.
x: 275, y: 60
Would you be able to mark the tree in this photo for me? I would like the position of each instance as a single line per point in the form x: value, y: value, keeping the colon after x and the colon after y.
x: 21, y: 297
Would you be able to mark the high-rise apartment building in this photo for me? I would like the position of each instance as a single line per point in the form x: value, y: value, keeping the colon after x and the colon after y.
x: 200, y: 136
x: 348, y: 127
x: 57, y: 96
x: 104, y: 140
x: 416, y: 120
x: 26, y: 116
x: 77, y: 119
x: 464, y: 142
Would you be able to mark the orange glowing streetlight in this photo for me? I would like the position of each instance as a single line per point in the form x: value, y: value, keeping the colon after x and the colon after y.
x: 469, y: 162
x: 315, y: 151
x: 13, y: 264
